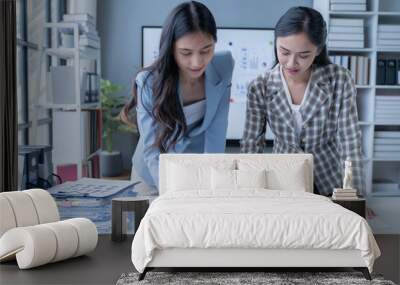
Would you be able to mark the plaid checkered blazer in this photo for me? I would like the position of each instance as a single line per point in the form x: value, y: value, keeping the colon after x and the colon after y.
x: 330, y: 129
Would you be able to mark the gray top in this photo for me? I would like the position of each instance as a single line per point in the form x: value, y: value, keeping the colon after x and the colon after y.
x: 194, y: 112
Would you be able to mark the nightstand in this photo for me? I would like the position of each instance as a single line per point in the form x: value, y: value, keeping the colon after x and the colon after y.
x: 120, y: 206
x: 356, y: 205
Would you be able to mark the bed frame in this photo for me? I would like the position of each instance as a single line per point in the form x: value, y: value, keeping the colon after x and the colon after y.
x: 242, y: 259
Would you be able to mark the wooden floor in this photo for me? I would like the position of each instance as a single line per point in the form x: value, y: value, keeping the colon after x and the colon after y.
x: 111, y: 259
x: 103, y: 266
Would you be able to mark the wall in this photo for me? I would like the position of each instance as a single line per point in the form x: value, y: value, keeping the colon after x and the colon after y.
x: 120, y: 21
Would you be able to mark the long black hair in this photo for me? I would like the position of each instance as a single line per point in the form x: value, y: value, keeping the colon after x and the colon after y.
x: 303, y: 19
x: 186, y: 18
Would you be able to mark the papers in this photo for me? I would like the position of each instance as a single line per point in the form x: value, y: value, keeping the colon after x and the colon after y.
x: 90, y: 188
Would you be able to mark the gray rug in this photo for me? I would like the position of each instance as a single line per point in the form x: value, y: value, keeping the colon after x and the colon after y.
x: 243, y: 278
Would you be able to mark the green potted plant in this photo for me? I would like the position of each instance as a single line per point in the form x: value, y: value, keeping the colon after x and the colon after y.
x: 110, y: 159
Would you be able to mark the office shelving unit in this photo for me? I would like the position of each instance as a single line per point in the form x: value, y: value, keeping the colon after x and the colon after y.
x: 71, y: 137
x: 381, y: 172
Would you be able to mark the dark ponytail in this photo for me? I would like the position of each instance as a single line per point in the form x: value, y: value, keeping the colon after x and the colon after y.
x: 303, y: 19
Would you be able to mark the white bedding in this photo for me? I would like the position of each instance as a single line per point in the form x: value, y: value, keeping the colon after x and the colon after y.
x: 252, y: 218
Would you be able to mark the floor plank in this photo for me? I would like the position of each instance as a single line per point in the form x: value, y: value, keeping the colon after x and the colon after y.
x: 103, y: 266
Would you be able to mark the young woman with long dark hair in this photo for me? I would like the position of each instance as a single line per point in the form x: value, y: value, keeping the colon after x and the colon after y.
x: 182, y: 99
x: 308, y: 102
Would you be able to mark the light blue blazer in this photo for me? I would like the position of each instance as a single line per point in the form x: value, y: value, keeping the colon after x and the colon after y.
x: 208, y: 137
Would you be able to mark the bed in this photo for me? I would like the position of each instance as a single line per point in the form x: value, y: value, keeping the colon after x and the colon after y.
x: 246, y: 211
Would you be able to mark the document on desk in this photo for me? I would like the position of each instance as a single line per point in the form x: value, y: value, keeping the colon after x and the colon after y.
x: 90, y: 188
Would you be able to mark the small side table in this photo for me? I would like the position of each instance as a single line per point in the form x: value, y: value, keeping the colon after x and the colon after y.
x: 122, y: 205
x: 356, y: 205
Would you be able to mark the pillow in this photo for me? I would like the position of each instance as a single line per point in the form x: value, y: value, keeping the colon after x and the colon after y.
x: 193, y: 175
x: 251, y: 179
x: 290, y: 180
x: 223, y: 179
x: 281, y: 174
x: 237, y: 179
x: 182, y: 177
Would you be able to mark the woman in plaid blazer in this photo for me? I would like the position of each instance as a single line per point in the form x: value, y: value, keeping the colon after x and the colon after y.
x: 309, y: 103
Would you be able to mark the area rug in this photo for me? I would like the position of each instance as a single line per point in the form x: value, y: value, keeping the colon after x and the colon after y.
x: 244, y: 278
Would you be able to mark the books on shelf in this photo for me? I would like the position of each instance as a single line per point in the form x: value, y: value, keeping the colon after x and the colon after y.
x: 84, y: 28
x: 353, y: 67
x: 383, y: 141
x: 346, y: 30
x: 393, y: 147
x: 346, y: 36
x: 344, y: 194
x: 388, y: 36
x: 344, y: 60
x: 358, y: 66
x: 345, y: 44
x: 348, y: 1
x: 346, y: 33
x: 89, y: 41
x: 389, y: 42
x: 84, y: 19
x: 79, y: 17
x: 388, y: 28
x: 390, y: 74
x: 390, y: 118
x: 365, y: 69
x: 387, y: 112
x: 387, y: 134
x: 348, y: 5
x: 360, y: 70
x: 380, y: 71
x: 85, y: 41
x: 335, y: 197
x: 387, y: 144
x: 87, y: 29
x: 346, y: 22
x: 385, y: 155
x: 388, y: 71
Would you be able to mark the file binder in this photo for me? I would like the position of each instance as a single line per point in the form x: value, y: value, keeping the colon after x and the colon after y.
x: 380, y: 72
x: 390, y: 78
x: 398, y: 71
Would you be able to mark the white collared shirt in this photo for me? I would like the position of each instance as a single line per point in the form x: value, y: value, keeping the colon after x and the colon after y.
x: 298, y: 119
